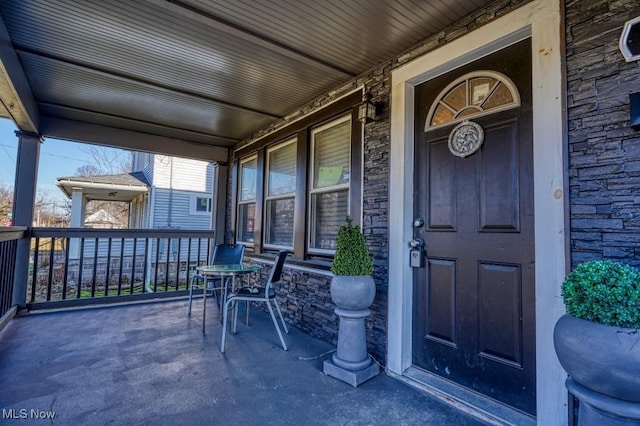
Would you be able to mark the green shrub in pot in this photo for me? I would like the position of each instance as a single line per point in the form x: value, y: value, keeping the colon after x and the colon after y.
x: 351, y: 256
x: 598, y: 341
x: 605, y: 292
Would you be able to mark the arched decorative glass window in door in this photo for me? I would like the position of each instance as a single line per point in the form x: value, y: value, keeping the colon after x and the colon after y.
x: 472, y: 95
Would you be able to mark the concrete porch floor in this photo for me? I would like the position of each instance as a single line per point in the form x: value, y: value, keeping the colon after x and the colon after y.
x: 150, y: 364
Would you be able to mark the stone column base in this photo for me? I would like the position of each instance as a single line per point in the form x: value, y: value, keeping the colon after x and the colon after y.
x: 352, y: 377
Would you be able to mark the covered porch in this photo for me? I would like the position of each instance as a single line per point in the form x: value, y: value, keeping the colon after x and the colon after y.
x: 250, y: 86
x: 150, y: 364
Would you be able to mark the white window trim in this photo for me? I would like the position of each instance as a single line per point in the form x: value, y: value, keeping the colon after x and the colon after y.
x: 268, y: 197
x: 333, y: 188
x: 193, y: 202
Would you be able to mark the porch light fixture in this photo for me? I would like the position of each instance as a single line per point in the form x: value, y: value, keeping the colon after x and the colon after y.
x: 630, y: 40
x: 367, y: 111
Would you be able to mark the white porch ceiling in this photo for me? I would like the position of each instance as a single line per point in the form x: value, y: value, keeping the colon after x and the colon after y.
x: 193, y: 72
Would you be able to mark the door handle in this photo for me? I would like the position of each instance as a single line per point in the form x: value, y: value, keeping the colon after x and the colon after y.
x: 417, y: 254
x: 416, y: 243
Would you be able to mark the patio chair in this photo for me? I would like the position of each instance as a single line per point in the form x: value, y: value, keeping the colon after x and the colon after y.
x: 223, y: 254
x: 259, y: 294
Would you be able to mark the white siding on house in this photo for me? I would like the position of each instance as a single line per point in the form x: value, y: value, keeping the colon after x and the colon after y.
x: 143, y: 162
x: 118, y: 248
x: 182, y: 174
x: 172, y: 210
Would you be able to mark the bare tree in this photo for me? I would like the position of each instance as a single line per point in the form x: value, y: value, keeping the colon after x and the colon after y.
x: 48, y: 212
x: 88, y: 170
x: 107, y: 161
x: 6, y: 204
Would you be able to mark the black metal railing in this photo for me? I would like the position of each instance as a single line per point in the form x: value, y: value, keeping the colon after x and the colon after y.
x: 8, y: 243
x: 81, y: 265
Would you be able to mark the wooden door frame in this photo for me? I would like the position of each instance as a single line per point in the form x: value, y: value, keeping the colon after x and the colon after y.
x: 539, y: 20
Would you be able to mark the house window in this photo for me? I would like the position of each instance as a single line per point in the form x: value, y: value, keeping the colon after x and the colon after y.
x: 200, y: 205
x: 247, y: 200
x: 329, y: 189
x: 294, y: 188
x: 472, y: 95
x: 280, y: 195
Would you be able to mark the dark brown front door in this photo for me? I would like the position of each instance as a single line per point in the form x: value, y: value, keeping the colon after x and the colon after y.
x: 474, y: 306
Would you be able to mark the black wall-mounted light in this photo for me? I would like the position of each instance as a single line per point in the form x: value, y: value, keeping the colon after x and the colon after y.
x: 634, y: 119
x: 368, y: 111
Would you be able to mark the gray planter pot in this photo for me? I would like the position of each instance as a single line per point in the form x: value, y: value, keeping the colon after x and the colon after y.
x: 352, y: 295
x: 602, y: 358
x: 604, y: 361
x: 355, y: 292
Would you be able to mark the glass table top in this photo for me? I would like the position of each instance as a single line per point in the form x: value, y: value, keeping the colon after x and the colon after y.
x: 228, y: 269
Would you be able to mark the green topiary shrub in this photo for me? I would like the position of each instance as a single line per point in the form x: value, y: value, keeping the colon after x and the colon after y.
x: 352, y: 256
x: 605, y: 292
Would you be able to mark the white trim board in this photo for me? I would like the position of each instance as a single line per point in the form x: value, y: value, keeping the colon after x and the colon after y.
x: 541, y: 21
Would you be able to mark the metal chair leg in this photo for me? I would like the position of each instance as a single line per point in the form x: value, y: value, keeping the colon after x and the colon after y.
x: 235, y: 317
x: 225, y: 314
x: 286, y: 330
x: 193, y: 279
x: 275, y: 322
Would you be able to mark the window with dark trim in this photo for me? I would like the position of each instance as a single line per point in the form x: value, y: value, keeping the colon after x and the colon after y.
x: 247, y: 200
x: 280, y: 195
x: 294, y: 188
x: 329, y: 183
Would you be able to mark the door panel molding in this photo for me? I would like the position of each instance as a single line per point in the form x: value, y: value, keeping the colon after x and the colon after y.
x: 542, y: 21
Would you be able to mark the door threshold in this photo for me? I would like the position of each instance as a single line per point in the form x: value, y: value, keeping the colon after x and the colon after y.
x: 473, y: 403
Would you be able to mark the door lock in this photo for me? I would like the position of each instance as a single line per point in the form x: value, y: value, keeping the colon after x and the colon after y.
x: 417, y: 254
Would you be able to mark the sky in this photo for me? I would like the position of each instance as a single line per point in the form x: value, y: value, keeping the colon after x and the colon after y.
x: 58, y: 158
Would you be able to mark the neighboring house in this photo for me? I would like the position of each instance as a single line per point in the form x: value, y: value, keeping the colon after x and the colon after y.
x: 179, y: 193
x: 102, y: 219
x: 163, y: 192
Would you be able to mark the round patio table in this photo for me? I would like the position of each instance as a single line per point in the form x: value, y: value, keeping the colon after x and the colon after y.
x: 223, y: 271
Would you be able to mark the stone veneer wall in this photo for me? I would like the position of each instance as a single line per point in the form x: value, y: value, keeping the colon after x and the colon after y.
x: 307, y: 303
x: 604, y: 152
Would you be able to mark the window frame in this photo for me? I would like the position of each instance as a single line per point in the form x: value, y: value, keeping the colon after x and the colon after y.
x: 253, y: 201
x: 300, y: 131
x: 290, y: 195
x: 498, y: 76
x: 326, y: 189
x: 193, y: 205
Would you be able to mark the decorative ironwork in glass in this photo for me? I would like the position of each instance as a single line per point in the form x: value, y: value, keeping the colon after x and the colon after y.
x: 472, y: 95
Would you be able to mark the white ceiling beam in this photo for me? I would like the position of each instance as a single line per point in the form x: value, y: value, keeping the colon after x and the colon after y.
x: 15, y: 92
x: 130, y: 140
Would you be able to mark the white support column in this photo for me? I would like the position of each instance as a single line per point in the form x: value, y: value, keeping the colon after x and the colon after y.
x: 219, y: 202
x: 24, y: 197
x: 78, y: 204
